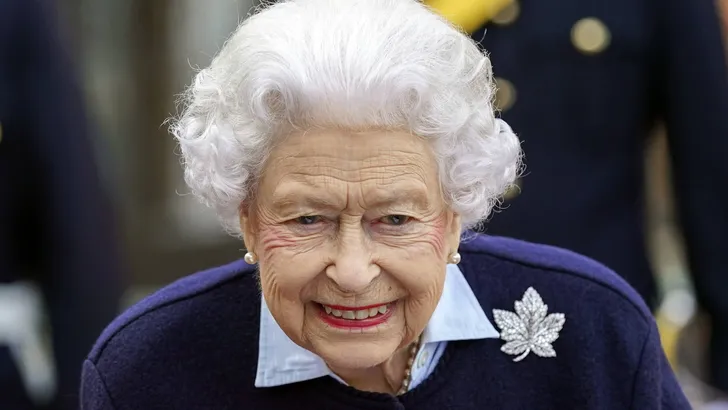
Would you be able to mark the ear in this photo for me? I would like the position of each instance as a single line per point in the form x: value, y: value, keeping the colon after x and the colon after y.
x: 453, y: 233
x: 247, y: 226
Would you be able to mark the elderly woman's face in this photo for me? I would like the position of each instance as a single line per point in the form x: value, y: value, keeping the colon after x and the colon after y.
x: 353, y: 235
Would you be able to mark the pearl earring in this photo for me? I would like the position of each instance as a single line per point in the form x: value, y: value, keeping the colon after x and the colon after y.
x: 250, y: 258
x: 454, y: 258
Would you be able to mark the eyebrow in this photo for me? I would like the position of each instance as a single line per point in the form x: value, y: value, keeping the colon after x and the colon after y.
x: 399, y: 196
x: 293, y: 201
x: 287, y: 198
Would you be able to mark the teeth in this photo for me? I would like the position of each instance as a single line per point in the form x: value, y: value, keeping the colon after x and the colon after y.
x: 357, y: 314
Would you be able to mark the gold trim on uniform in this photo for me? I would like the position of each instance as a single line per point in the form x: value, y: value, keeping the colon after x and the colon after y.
x: 590, y: 35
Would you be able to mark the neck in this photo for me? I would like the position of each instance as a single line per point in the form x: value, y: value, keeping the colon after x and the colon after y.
x: 384, y: 378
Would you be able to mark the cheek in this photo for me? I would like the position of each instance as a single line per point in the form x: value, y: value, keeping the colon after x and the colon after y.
x: 273, y: 238
x: 428, y: 245
x: 435, y: 236
x: 282, y: 281
x: 419, y: 258
x: 281, y: 250
x: 276, y: 240
x: 424, y: 294
x: 420, y: 268
x: 287, y: 264
x: 273, y: 242
x: 284, y: 304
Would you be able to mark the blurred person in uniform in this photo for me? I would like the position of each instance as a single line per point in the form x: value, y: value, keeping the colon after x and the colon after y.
x: 57, y: 243
x: 583, y: 83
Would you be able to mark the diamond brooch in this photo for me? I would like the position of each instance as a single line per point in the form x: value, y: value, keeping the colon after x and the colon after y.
x: 529, y: 329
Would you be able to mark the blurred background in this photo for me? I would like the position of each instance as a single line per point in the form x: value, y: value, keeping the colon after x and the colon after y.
x: 135, y: 58
x: 132, y: 59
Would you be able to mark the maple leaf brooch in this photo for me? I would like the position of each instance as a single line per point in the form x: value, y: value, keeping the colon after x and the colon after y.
x: 529, y: 329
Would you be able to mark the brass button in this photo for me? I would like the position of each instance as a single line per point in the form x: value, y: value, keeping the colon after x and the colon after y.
x: 514, y: 190
x: 505, y: 95
x: 590, y: 35
x: 508, y: 14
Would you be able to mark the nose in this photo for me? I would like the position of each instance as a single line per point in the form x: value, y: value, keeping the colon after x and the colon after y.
x: 353, y: 269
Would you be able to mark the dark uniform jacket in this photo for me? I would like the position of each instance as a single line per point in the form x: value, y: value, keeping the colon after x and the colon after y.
x: 583, y: 82
x: 55, y: 224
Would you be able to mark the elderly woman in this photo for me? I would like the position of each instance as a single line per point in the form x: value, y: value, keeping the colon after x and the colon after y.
x: 351, y: 144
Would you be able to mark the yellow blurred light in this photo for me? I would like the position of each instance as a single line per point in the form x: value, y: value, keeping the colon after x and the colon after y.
x: 470, y: 15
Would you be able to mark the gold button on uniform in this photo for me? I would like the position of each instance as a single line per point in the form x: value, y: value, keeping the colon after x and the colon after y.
x: 590, y: 35
x: 508, y: 15
x: 505, y: 95
x: 514, y: 190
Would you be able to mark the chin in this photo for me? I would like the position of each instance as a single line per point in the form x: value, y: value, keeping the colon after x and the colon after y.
x: 355, y: 354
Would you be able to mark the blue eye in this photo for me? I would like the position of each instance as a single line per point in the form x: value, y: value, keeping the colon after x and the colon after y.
x: 395, y: 219
x: 308, y: 219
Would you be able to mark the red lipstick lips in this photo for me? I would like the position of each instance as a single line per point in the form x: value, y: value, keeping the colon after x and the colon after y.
x: 355, y: 317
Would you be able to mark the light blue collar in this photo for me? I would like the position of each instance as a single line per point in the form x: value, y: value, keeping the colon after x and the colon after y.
x: 458, y: 316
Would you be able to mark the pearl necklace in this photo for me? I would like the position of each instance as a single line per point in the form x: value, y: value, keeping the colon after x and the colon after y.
x: 408, y: 370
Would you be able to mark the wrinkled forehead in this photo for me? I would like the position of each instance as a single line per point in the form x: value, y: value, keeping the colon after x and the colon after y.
x: 333, y: 167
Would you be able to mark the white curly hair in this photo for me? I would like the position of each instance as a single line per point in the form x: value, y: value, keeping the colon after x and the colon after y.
x: 345, y: 64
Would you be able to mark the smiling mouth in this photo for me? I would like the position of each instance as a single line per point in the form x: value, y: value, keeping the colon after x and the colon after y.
x: 356, y: 317
x: 354, y: 313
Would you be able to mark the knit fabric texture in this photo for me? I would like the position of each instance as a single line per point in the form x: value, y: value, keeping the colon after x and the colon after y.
x: 194, y: 345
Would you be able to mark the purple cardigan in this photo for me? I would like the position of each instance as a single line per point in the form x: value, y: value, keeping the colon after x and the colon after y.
x: 194, y: 345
